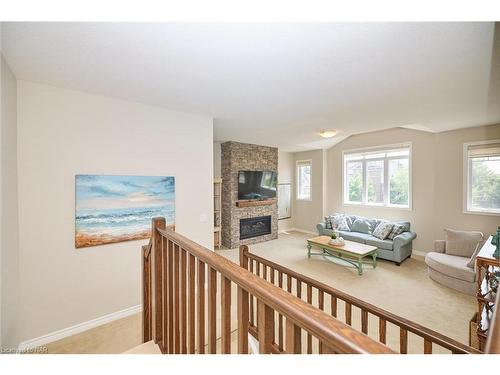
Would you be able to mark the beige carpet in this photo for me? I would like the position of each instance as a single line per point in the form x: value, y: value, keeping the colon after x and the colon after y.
x: 404, y: 290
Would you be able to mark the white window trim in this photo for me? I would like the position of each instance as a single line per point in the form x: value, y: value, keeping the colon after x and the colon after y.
x: 297, y: 163
x: 346, y: 203
x: 467, y: 181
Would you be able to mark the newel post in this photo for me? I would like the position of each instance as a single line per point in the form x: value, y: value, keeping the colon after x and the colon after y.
x: 156, y: 258
x: 146, y: 294
x: 243, y: 313
x: 244, y: 256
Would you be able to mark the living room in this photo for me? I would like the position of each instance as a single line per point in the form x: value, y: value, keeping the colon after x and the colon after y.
x: 250, y: 188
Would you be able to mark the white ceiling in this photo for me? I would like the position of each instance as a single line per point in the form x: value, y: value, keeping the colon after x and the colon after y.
x: 276, y: 84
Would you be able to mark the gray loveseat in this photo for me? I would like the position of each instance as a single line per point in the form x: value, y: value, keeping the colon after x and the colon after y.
x: 395, y: 250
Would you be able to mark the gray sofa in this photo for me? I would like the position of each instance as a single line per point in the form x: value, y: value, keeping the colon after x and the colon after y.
x: 396, y: 250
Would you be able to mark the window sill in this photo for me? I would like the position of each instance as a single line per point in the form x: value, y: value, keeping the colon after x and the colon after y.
x: 487, y: 213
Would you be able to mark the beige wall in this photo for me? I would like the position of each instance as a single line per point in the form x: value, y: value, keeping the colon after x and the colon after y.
x: 308, y: 213
x: 217, y: 159
x: 449, y: 181
x: 286, y: 163
x: 437, y: 172
x: 62, y: 133
x: 9, y: 246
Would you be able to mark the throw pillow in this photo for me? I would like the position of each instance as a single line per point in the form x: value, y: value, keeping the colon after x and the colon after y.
x: 361, y: 226
x: 472, y: 261
x: 461, y: 243
x: 397, y: 229
x: 339, y: 222
x: 383, y: 230
x: 328, y: 222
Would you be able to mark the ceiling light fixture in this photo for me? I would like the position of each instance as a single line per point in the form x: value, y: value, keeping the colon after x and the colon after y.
x: 328, y: 133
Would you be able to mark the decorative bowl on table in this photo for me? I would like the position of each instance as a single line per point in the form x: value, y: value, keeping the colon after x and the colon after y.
x: 339, y: 241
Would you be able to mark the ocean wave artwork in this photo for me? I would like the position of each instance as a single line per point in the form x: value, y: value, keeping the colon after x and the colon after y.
x: 112, y: 209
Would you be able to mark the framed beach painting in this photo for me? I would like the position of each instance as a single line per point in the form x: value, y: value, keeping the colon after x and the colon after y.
x: 112, y: 209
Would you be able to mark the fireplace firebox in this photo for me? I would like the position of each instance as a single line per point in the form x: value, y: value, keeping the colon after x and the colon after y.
x: 255, y: 226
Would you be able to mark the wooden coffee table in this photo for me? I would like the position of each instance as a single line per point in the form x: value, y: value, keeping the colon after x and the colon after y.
x: 352, y: 252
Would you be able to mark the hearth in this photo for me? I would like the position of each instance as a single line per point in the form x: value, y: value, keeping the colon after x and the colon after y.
x: 255, y: 226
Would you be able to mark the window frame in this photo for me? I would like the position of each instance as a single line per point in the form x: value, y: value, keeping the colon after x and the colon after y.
x: 364, y: 198
x: 467, y: 181
x: 299, y: 163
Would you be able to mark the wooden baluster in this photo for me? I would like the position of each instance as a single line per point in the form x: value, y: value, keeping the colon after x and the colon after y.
x: 348, y: 313
x: 309, y: 301
x: 226, y: 315
x: 212, y: 316
x: 293, y: 338
x: 427, y: 346
x: 265, y: 327
x: 364, y: 321
x: 177, y: 324
x: 326, y: 350
x: 321, y: 305
x: 280, y: 317
x: 264, y: 272
x: 242, y: 321
x: 272, y: 271
x: 171, y: 286
x: 191, y: 304
x: 166, y: 288
x: 252, y: 323
x: 146, y: 294
x: 334, y: 306
x: 243, y: 318
x: 288, y: 284
x: 299, y: 289
x: 201, y: 307
x: 403, y: 341
x: 157, y: 222
x: 382, y: 330
x: 183, y: 302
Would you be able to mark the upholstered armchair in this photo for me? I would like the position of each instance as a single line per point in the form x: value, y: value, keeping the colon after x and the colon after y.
x: 452, y: 263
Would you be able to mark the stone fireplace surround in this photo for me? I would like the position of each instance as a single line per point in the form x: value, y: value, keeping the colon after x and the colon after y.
x: 237, y: 157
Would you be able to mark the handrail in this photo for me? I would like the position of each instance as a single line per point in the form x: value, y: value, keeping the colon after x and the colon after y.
x: 333, y: 333
x: 426, y: 333
x: 493, y: 341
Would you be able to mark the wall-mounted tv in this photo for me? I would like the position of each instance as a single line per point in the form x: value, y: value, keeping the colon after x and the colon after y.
x: 257, y: 185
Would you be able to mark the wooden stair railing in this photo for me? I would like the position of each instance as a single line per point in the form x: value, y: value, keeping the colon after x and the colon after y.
x: 278, y: 274
x: 181, y: 294
x: 493, y: 340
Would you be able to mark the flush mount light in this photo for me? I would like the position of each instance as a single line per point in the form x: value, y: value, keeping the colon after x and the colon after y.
x: 328, y: 133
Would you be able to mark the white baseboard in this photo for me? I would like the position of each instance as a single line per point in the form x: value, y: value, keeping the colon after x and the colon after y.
x: 297, y: 230
x: 419, y: 253
x: 65, y: 332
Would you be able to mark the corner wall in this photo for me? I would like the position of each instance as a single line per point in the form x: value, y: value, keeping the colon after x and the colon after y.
x: 308, y: 213
x: 286, y: 175
x: 62, y: 133
x: 9, y: 244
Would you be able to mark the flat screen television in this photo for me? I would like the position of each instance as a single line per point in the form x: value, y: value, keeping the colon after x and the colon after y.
x: 257, y: 185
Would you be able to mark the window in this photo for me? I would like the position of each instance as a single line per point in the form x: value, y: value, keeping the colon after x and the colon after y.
x: 304, y: 179
x: 482, y: 177
x: 378, y: 177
